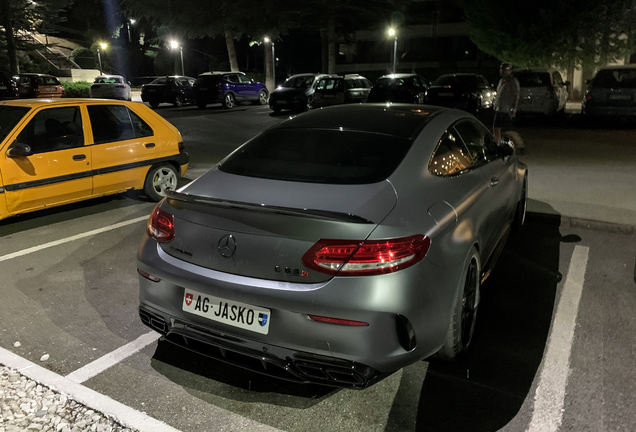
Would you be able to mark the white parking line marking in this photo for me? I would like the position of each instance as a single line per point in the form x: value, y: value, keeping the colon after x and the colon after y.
x: 111, y: 359
x: 549, y: 397
x: 70, y: 239
x: 123, y: 414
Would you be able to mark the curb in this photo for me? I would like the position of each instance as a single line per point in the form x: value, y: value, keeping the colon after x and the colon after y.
x: 121, y: 413
x: 572, y: 222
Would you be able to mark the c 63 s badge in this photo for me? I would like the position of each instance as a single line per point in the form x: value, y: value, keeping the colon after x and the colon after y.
x: 291, y: 271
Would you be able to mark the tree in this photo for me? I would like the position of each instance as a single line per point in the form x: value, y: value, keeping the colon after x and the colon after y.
x: 27, y: 15
x: 562, y: 33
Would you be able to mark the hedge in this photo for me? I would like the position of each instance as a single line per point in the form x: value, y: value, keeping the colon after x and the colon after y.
x: 78, y: 89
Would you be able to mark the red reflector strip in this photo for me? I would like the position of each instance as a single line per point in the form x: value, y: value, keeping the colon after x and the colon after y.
x: 148, y: 276
x: 338, y: 321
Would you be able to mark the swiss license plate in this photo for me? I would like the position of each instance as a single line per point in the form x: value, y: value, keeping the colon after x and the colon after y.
x: 236, y: 314
x: 50, y: 89
x: 151, y: 90
x: 203, y: 88
x: 446, y: 94
x: 281, y: 102
x: 3, y: 87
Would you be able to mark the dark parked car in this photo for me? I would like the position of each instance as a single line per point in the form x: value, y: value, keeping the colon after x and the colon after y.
x: 334, y: 90
x: 612, y: 92
x: 176, y: 90
x: 228, y: 88
x: 542, y: 91
x: 466, y: 91
x: 296, y: 93
x: 8, y: 87
x: 337, y: 246
x: 406, y: 88
x: 34, y: 85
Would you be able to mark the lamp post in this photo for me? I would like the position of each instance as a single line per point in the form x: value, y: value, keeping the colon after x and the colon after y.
x: 130, y: 21
x: 174, y: 44
x: 393, y: 33
x: 99, y: 57
x: 270, y: 83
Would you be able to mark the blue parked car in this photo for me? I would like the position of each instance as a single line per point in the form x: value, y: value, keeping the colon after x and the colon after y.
x: 228, y: 88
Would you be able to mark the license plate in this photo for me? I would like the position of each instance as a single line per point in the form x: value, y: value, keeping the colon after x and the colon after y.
x: 328, y: 96
x: 446, y: 94
x: 281, y: 102
x: 236, y: 314
x: 50, y: 89
x: 3, y: 87
x: 151, y: 90
x: 620, y: 97
x: 526, y: 101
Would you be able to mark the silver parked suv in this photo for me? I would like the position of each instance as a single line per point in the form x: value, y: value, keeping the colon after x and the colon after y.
x: 542, y: 92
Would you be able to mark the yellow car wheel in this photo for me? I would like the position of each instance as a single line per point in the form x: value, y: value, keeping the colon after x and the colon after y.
x: 160, y: 179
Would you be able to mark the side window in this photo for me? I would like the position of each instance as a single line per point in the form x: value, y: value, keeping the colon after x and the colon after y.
x: 479, y: 142
x: 450, y: 156
x: 414, y: 82
x: 110, y: 123
x: 231, y: 78
x: 140, y: 127
x: 557, y: 78
x: 54, y: 129
x: 243, y: 79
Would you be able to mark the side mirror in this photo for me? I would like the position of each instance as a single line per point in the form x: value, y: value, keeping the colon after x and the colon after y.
x: 19, y: 150
x: 506, y: 147
x: 567, y: 83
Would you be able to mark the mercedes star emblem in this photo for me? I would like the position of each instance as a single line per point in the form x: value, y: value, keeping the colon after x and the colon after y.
x: 227, y: 245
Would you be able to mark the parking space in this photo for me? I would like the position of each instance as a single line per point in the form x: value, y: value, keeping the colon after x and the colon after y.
x: 77, y: 302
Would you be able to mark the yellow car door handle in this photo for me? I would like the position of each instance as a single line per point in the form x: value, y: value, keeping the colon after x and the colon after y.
x: 149, y: 145
x: 79, y: 157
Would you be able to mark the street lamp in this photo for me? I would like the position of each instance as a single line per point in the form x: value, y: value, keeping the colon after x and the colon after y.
x: 99, y: 57
x: 174, y: 45
x: 130, y: 21
x: 270, y: 85
x: 393, y: 33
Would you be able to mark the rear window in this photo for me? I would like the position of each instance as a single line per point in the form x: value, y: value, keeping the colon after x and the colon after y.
x: 319, y: 156
x: 533, y: 79
x: 615, y: 78
x: 389, y: 82
x: 107, y: 80
x: 47, y: 81
x: 463, y: 81
x: 9, y: 117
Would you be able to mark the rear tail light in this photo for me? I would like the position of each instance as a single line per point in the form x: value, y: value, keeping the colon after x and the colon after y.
x: 365, y: 258
x: 219, y: 86
x: 120, y: 86
x: 181, y: 147
x: 148, y: 276
x: 161, y: 226
x: 549, y: 93
x: 588, y: 95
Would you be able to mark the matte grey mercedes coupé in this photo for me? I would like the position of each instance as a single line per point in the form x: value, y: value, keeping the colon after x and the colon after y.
x: 337, y: 246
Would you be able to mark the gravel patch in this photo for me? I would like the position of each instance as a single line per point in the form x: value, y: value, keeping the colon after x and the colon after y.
x: 28, y: 406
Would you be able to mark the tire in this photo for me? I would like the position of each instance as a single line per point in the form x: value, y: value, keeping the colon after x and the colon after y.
x: 153, y: 103
x: 229, y: 101
x: 159, y: 179
x: 179, y: 101
x: 520, y: 211
x: 201, y: 104
x: 464, y: 312
x: 309, y: 105
x: 263, y: 97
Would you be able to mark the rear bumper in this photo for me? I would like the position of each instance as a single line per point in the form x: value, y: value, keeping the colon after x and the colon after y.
x: 407, y: 313
x: 606, y: 111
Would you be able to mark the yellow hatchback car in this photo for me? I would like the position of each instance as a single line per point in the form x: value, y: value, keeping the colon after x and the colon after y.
x: 54, y: 152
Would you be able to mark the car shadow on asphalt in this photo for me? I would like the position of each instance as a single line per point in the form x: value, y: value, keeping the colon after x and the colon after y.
x: 484, y: 389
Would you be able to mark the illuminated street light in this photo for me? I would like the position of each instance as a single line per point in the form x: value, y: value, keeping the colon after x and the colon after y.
x: 128, y: 23
x: 393, y: 33
x: 174, y: 45
x: 103, y: 46
x: 271, y: 85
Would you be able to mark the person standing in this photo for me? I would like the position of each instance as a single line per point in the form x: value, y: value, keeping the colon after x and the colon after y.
x: 506, y: 102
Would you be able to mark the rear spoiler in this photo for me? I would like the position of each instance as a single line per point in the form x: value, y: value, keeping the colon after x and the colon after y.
x: 306, y: 213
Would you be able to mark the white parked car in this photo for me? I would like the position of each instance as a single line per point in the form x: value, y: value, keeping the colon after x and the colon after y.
x: 542, y: 91
x: 110, y: 87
